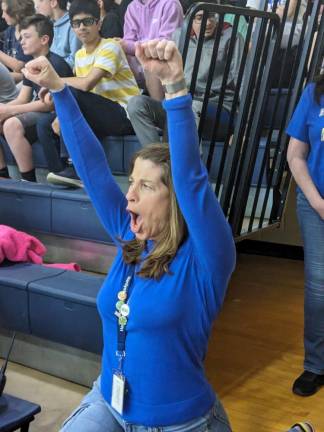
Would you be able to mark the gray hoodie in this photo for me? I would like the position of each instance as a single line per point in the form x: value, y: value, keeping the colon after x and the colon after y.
x: 204, y: 65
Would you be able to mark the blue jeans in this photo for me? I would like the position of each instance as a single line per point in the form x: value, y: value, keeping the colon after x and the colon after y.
x: 95, y: 415
x: 312, y: 228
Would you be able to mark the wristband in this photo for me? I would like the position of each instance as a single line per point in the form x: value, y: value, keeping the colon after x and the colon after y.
x: 175, y: 87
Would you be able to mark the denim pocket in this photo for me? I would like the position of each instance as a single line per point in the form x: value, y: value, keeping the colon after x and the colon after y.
x: 72, y: 417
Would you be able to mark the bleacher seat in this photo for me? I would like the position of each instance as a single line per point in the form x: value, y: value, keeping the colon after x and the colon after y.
x: 25, y: 206
x: 51, y: 210
x: 51, y: 303
x: 72, y: 215
x: 14, y: 304
x: 63, y: 309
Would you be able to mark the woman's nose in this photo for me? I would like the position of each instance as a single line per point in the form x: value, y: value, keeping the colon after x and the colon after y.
x: 131, y: 194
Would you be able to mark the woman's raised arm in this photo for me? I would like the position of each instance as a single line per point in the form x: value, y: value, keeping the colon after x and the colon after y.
x: 208, y: 228
x: 84, y: 148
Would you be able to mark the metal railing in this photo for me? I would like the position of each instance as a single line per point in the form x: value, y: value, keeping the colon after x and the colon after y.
x: 247, y: 167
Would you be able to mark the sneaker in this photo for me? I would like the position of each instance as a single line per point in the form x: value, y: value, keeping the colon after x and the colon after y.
x: 302, y: 427
x: 67, y: 177
x: 307, y: 383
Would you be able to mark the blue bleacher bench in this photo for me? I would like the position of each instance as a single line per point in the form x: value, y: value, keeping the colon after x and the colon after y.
x: 120, y: 151
x: 51, y: 303
x: 50, y: 210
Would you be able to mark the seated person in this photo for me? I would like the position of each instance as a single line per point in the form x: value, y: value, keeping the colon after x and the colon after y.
x: 19, y: 116
x: 8, y: 87
x: 111, y: 25
x: 147, y: 114
x: 65, y: 43
x: 282, y: 54
x: 122, y: 8
x: 146, y: 20
x: 12, y: 56
x: 257, y: 4
x: 104, y: 82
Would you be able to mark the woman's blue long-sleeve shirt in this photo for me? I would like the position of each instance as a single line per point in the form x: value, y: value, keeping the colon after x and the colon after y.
x: 170, y: 318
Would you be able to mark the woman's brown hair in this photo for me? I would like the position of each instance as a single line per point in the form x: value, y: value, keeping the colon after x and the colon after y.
x: 19, y: 9
x: 165, y: 248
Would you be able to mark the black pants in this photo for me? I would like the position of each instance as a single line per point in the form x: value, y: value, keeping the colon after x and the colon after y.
x: 104, y: 116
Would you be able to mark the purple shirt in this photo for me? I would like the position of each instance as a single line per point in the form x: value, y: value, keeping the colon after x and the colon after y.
x: 152, y: 19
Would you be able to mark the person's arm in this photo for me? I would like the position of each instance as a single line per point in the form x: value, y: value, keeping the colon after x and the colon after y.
x: 17, y: 76
x: 236, y: 57
x: 299, y: 148
x: 105, y: 64
x: 11, y: 62
x: 24, y: 96
x: 86, y: 83
x: 208, y: 228
x: 297, y: 156
x: 130, y: 32
x: 86, y: 151
x: 22, y: 104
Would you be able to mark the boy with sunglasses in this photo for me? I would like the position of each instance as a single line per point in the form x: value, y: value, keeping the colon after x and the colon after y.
x: 103, y: 83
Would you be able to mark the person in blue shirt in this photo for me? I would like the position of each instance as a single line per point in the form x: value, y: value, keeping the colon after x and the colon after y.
x: 175, y: 255
x: 306, y: 161
x: 65, y: 42
x: 19, y: 116
x: 12, y: 55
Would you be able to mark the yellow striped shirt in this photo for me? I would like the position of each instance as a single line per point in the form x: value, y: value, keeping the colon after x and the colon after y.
x: 119, y: 85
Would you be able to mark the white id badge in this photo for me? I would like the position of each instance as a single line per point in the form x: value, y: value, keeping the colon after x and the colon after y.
x: 118, y: 392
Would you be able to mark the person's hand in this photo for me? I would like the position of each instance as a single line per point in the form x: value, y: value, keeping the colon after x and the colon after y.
x: 56, y: 126
x: 162, y: 59
x: 41, y: 72
x: 319, y: 207
x: 4, y: 112
x: 44, y: 95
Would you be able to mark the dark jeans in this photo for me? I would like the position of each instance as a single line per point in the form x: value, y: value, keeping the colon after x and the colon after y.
x: 104, y: 116
x: 50, y: 142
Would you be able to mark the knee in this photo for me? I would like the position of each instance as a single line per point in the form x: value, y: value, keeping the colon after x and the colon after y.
x: 137, y: 106
x: 12, y: 128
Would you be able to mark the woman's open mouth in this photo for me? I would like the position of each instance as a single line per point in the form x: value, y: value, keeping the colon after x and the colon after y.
x: 136, y: 222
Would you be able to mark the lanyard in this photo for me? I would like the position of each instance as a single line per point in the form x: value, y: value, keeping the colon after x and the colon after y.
x: 122, y: 314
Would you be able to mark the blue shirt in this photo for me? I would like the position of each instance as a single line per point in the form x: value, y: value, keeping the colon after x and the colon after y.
x: 12, y: 46
x: 307, y: 125
x: 65, y: 42
x: 170, y: 319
